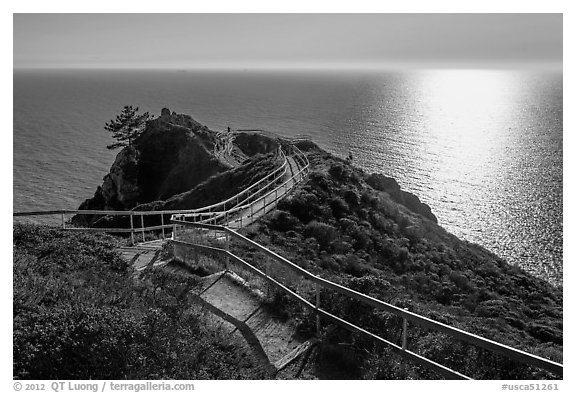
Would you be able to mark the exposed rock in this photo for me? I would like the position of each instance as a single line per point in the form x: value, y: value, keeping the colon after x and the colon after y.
x: 173, y: 155
x: 220, y: 186
x: 411, y: 201
x: 120, y: 187
x: 252, y: 143
x: 383, y: 183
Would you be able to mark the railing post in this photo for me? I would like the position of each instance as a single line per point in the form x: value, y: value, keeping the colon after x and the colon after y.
x: 227, y: 248
x: 173, y: 231
x: 63, y: 221
x: 162, y: 223
x: 404, y: 332
x: 317, y: 307
x: 132, y: 226
x: 142, y: 226
x: 404, y: 340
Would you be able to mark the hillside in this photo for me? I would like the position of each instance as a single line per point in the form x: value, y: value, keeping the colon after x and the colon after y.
x: 79, y: 313
x: 358, y: 229
x: 347, y: 226
x: 173, y: 155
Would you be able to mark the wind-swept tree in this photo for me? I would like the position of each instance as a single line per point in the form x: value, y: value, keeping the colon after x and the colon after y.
x: 127, y: 126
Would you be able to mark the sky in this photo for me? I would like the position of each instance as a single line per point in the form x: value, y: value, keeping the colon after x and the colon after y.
x: 184, y: 41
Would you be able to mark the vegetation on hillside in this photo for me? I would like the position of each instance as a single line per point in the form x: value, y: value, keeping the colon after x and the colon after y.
x: 340, y: 227
x: 224, y: 185
x: 80, y: 312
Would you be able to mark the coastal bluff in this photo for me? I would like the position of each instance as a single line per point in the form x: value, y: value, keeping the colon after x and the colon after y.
x: 172, y: 155
x: 356, y: 229
x: 173, y: 165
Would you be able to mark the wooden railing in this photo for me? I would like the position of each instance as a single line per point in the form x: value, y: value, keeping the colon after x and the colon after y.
x: 407, y: 316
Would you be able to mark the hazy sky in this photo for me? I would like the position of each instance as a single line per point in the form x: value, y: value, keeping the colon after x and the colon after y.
x: 287, y: 40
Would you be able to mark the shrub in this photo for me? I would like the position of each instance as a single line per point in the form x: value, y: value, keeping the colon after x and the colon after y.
x: 361, y: 238
x: 351, y: 198
x: 303, y: 205
x: 460, y: 280
x: 340, y: 173
x: 79, y: 313
x: 491, y: 308
x: 323, y: 233
x: 339, y: 207
x: 320, y: 180
x: 368, y: 200
x: 355, y: 266
x: 284, y: 221
x: 75, y: 342
x: 545, y: 333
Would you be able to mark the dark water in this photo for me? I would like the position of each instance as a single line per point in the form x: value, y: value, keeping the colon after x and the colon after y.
x: 482, y: 148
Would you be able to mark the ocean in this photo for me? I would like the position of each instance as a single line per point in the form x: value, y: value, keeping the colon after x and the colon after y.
x: 483, y: 148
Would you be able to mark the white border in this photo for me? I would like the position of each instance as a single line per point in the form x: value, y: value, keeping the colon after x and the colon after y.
x: 247, y: 6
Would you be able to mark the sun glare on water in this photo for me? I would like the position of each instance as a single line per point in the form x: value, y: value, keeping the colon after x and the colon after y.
x: 464, y: 118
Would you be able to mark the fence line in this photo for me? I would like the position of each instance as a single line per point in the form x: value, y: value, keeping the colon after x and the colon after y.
x: 213, y: 217
x: 218, y: 209
x: 493, y: 346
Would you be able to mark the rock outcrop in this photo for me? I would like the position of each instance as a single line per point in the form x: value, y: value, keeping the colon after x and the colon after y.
x: 387, y: 184
x: 173, y: 155
x: 168, y: 165
x: 252, y: 143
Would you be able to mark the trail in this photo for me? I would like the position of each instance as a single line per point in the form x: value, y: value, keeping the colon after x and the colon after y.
x: 230, y: 301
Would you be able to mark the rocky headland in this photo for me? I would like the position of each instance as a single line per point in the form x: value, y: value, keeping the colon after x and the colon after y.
x: 359, y: 229
x: 173, y: 162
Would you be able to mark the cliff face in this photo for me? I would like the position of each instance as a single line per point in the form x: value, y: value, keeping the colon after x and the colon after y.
x: 387, y: 184
x: 358, y: 229
x: 251, y: 144
x: 120, y: 186
x: 173, y: 155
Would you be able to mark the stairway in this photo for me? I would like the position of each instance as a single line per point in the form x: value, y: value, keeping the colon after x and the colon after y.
x: 144, y: 255
x: 271, y: 338
x: 232, y: 304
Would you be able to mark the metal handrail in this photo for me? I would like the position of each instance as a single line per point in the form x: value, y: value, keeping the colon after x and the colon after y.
x: 246, y: 190
x: 516, y: 354
x: 150, y: 212
x: 205, y: 210
x: 214, y: 216
x: 442, y: 370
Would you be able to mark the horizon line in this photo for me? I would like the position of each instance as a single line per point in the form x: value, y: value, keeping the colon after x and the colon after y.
x: 545, y: 66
